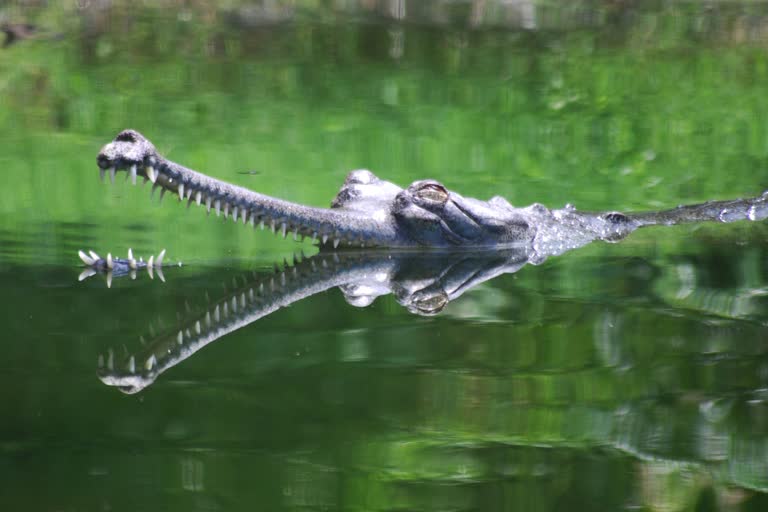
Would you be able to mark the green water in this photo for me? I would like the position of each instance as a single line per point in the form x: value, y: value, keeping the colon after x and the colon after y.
x: 616, y: 376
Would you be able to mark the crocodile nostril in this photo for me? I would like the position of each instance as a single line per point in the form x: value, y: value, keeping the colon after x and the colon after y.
x: 126, y: 137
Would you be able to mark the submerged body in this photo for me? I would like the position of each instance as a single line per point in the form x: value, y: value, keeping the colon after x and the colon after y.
x: 370, y: 212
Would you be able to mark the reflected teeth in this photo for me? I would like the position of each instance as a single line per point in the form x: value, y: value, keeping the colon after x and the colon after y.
x: 85, y: 274
x: 151, y: 174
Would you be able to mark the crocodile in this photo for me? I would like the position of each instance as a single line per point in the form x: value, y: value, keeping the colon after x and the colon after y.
x: 370, y: 212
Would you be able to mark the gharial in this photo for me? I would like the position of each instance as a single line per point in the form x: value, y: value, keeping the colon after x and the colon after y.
x: 370, y: 212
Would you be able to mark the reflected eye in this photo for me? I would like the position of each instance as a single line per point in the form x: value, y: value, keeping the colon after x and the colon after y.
x: 428, y: 303
x: 432, y: 192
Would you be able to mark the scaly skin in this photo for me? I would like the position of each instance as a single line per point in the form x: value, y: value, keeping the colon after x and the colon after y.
x: 370, y: 212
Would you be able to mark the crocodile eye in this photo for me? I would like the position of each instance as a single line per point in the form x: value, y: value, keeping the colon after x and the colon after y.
x: 432, y: 192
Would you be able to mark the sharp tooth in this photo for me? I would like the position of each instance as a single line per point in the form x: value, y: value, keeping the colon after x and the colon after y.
x: 159, y: 260
x: 253, y: 221
x: 130, y: 253
x: 208, y: 318
x: 110, y: 263
x: 208, y: 201
x: 234, y: 214
x: 272, y: 225
x: 336, y: 242
x: 180, y: 191
x: 94, y: 255
x: 86, y: 259
x: 242, y: 300
x: 150, y: 271
x: 226, y: 210
x: 198, y: 327
x: 150, y: 362
x: 132, y: 364
x: 325, y: 239
x: 283, y: 229
x: 217, y: 206
x: 111, y: 359
x: 180, y: 338
x: 226, y: 309
x: 189, y: 193
x: 151, y: 262
x: 102, y: 173
x: 245, y: 217
x: 151, y: 174
x: 217, y: 314
x: 133, y: 174
x: 198, y: 197
x: 112, y: 172
x: 132, y: 264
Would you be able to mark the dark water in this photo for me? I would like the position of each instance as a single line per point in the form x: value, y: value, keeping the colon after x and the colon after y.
x: 615, y: 376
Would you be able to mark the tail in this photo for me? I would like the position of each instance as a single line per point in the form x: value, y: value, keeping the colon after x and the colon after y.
x: 753, y: 209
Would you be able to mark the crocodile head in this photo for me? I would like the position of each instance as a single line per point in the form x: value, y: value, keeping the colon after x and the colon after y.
x: 367, y: 211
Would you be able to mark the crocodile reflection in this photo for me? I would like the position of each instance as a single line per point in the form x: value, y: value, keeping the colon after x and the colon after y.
x: 423, y: 283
